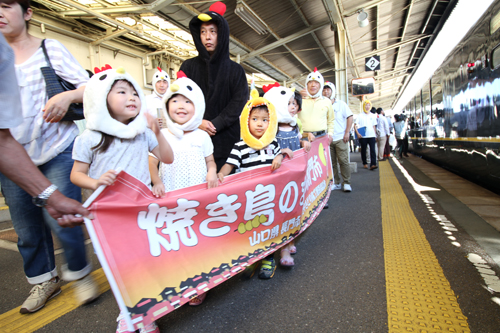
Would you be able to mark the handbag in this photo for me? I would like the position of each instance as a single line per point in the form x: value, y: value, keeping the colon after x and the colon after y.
x: 55, y: 85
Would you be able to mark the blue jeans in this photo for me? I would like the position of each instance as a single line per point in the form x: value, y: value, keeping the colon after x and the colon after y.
x: 33, y: 225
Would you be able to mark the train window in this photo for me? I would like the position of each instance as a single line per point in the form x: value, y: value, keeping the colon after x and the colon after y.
x: 495, y: 57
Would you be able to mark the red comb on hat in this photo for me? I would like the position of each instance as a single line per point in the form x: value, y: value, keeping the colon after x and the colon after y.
x: 218, y: 7
x: 103, y: 68
x: 269, y: 86
x: 159, y: 69
x: 315, y: 69
x: 181, y: 74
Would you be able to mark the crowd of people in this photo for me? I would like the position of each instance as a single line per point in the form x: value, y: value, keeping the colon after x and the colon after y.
x: 193, y: 121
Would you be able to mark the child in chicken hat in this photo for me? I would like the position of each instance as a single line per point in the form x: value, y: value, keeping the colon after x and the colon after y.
x: 160, y: 82
x: 183, y: 107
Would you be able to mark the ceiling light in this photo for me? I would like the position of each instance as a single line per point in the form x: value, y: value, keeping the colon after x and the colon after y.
x: 249, y: 17
x: 362, y: 18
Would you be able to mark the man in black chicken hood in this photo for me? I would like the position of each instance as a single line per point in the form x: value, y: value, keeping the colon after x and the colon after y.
x: 222, y: 81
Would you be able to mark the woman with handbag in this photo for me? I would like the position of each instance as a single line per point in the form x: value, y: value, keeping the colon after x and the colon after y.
x: 49, y: 143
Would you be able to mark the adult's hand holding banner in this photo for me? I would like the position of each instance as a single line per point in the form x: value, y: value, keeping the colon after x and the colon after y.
x: 159, y: 253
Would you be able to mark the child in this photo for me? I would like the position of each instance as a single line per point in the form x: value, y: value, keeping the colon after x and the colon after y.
x: 289, y: 138
x: 183, y: 107
x: 258, y: 147
x: 160, y: 82
x: 116, y: 137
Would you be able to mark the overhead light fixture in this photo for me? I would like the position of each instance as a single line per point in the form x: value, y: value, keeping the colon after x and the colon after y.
x: 249, y: 17
x: 362, y: 18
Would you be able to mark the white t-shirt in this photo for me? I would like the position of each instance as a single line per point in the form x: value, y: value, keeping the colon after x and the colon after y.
x: 153, y: 103
x: 367, y: 120
x: 128, y: 155
x: 189, y: 167
x: 342, y: 112
x: 382, y: 126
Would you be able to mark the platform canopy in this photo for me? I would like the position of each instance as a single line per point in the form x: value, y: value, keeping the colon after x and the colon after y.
x: 283, y: 40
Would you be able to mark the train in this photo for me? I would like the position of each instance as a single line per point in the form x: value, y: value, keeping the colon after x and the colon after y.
x: 454, y: 119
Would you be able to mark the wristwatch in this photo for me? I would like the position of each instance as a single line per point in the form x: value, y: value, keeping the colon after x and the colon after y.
x: 41, y: 199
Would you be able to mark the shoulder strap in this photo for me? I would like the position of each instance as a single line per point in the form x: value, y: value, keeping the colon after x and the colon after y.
x: 45, y: 53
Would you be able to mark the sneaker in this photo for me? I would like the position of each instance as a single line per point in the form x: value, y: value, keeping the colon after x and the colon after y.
x: 336, y: 187
x: 249, y: 272
x: 40, y: 294
x: 85, y: 290
x: 347, y: 188
x: 267, y: 268
x: 150, y: 328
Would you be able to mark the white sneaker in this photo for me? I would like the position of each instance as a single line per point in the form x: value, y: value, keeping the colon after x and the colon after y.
x: 336, y: 187
x: 347, y: 188
x: 40, y: 294
x: 85, y: 290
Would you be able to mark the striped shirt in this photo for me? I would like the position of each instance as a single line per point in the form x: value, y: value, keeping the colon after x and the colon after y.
x: 245, y: 158
x: 44, y: 141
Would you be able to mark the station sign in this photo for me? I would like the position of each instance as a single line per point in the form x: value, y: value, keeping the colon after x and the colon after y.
x: 372, y: 63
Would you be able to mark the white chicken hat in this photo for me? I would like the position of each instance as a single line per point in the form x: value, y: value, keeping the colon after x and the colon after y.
x: 158, y: 76
x: 189, y: 89
x: 316, y: 76
x: 279, y: 97
x: 332, y: 87
x: 95, y: 106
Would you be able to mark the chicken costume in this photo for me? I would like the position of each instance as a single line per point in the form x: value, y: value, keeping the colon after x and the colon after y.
x: 190, y: 144
x: 153, y: 101
x: 222, y: 81
x: 252, y: 152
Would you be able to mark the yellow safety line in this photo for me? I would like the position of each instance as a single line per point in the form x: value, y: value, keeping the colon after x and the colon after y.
x: 4, y: 207
x: 13, y: 321
x: 419, y: 297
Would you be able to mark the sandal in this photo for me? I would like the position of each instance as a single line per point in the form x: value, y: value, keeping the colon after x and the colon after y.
x: 195, y: 301
x: 285, y: 261
x: 293, y: 250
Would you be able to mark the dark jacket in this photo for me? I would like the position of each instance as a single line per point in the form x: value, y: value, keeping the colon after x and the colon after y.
x: 223, y: 83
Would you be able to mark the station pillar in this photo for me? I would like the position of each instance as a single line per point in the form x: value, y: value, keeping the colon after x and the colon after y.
x: 341, y: 64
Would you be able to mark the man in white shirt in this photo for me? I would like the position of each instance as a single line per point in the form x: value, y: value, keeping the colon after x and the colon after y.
x: 339, y: 148
x: 383, y: 133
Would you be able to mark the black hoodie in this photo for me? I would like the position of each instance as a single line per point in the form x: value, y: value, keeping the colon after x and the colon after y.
x: 223, y: 83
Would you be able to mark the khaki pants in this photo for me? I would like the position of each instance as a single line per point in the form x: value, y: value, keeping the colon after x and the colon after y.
x: 339, y: 151
x: 381, y: 146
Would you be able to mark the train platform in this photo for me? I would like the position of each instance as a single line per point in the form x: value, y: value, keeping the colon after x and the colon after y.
x: 413, y: 248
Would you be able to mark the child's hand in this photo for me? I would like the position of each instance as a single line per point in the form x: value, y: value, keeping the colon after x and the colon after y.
x: 288, y: 152
x: 220, y: 176
x: 306, y: 145
x: 277, y: 162
x: 310, y: 137
x: 152, y: 123
x: 108, y: 178
x: 159, y: 190
x: 212, y: 180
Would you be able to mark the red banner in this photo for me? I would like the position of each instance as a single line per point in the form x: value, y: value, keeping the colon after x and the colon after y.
x: 159, y: 253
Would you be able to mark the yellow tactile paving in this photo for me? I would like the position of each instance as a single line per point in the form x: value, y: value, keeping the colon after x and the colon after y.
x: 13, y: 321
x: 419, y: 297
